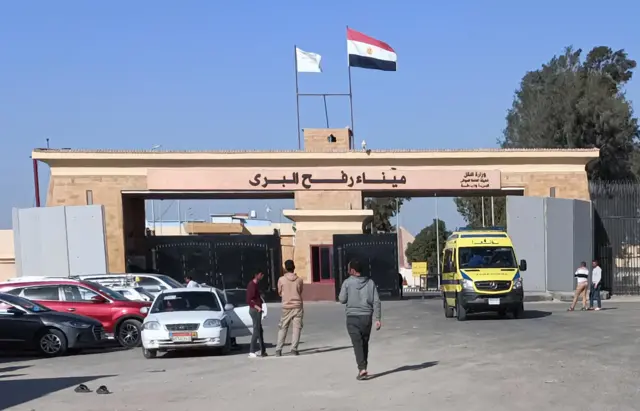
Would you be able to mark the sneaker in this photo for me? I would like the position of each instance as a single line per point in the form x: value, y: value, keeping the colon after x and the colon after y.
x: 597, y: 309
x: 295, y: 352
x: 253, y: 355
x: 278, y: 353
x: 264, y: 354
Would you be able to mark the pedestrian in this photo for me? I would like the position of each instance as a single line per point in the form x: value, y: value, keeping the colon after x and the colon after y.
x: 190, y: 282
x: 254, y: 299
x: 582, y: 278
x: 401, y: 285
x: 596, y: 281
x: 360, y: 295
x: 290, y: 289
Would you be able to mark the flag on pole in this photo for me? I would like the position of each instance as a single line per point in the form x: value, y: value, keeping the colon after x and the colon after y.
x: 307, y: 62
x: 367, y: 52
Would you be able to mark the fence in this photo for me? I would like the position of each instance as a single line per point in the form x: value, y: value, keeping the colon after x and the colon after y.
x: 617, y: 234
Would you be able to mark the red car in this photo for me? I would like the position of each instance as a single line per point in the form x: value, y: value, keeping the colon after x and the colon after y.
x: 120, y: 317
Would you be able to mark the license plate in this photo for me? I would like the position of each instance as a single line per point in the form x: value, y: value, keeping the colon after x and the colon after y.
x: 494, y: 301
x: 182, y: 337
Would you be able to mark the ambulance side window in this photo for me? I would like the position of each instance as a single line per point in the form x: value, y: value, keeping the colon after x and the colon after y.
x: 446, y: 261
x: 454, y: 266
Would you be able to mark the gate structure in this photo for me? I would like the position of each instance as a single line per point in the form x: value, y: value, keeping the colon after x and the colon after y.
x: 223, y: 261
x: 617, y: 235
x: 378, y: 254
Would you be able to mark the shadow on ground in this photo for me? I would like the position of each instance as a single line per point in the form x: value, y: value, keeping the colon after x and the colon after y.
x: 236, y: 350
x: 321, y: 350
x: 415, y: 367
x: 16, y: 392
x: 527, y: 315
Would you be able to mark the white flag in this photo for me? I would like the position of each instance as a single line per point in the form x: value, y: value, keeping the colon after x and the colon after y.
x: 308, y: 62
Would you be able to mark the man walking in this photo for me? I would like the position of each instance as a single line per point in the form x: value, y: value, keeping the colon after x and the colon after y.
x: 596, y: 279
x: 290, y: 289
x: 360, y: 295
x: 255, y: 310
x: 582, y: 278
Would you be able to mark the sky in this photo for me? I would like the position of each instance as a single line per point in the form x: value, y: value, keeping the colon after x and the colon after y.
x: 215, y: 75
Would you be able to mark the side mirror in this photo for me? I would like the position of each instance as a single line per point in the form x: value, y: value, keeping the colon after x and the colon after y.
x: 14, y: 311
x: 228, y: 307
x: 523, y: 265
x: 144, y: 310
x: 98, y: 299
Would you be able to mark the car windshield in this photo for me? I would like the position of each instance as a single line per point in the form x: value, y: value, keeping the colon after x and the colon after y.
x: 173, y: 283
x: 186, y: 301
x: 114, y: 295
x: 23, y: 303
x: 487, y: 257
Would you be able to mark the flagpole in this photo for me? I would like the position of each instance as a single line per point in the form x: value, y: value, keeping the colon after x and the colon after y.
x: 295, y: 59
x: 326, y: 112
x: 350, y: 94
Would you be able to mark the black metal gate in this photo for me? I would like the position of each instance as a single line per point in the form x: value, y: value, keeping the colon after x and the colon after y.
x: 224, y: 261
x: 616, y: 220
x: 378, y: 254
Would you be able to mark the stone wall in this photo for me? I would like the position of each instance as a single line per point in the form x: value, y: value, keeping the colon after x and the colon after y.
x: 571, y: 185
x: 107, y: 191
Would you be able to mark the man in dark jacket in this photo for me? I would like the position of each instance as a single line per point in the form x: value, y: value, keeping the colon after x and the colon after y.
x: 255, y: 310
x: 360, y: 295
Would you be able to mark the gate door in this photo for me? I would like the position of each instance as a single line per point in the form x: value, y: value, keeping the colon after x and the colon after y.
x: 378, y: 254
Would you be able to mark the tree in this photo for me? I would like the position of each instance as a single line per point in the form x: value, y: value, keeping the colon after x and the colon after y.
x: 573, y: 103
x: 570, y: 103
x: 383, y: 209
x: 470, y: 208
x: 424, y: 247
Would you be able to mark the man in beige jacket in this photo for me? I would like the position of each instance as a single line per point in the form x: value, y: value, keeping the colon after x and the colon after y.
x: 290, y: 289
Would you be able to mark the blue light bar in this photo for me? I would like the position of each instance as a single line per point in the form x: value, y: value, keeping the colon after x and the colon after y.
x: 481, y: 229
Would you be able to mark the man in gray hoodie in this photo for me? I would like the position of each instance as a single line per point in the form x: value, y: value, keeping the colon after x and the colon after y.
x: 360, y: 295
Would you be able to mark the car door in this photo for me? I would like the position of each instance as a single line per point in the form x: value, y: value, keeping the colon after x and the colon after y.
x: 16, y: 331
x: 243, y: 322
x: 78, y: 299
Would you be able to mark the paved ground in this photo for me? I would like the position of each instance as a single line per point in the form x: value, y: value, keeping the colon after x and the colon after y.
x: 550, y: 360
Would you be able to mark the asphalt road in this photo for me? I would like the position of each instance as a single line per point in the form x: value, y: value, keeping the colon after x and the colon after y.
x: 552, y: 359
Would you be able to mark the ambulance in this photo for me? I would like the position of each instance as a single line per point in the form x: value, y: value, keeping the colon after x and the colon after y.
x: 480, y: 273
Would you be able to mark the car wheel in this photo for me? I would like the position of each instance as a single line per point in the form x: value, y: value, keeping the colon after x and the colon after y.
x: 448, y: 311
x: 461, y: 312
x: 149, y: 354
x: 227, y: 344
x: 518, y: 312
x: 129, y: 333
x: 52, y: 343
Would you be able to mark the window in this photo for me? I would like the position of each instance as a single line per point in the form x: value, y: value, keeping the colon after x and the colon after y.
x: 222, y: 298
x: 236, y: 297
x: 322, y: 263
x: 78, y: 294
x: 447, y: 261
x: 487, y: 257
x: 186, y: 301
x: 47, y: 293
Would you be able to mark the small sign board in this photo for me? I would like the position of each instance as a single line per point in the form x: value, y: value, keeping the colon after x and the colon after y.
x: 419, y: 268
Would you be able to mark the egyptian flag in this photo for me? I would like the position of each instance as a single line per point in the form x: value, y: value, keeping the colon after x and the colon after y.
x: 367, y: 52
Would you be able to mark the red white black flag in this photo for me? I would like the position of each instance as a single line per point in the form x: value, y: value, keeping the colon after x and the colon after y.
x: 367, y: 52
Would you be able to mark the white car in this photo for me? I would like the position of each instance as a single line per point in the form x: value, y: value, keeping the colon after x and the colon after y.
x: 152, y: 283
x: 134, y: 293
x: 189, y: 318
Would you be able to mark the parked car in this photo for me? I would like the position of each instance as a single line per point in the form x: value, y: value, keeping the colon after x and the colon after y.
x: 190, y: 318
x: 134, y: 293
x: 120, y: 317
x: 25, y: 324
x: 153, y: 283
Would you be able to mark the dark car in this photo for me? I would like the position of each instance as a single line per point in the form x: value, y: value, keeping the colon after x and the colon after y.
x: 25, y: 324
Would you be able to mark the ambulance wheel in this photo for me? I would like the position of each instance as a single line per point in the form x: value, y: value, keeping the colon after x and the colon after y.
x: 461, y: 312
x: 448, y: 311
x: 518, y: 311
